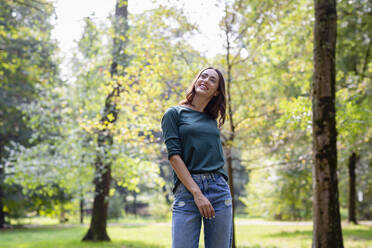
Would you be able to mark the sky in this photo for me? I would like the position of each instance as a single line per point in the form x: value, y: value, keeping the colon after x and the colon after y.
x: 70, y: 14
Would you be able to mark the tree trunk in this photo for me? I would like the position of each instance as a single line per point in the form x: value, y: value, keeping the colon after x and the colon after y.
x: 2, y: 214
x: 135, y: 203
x: 231, y: 184
x: 2, y: 176
x: 230, y: 169
x: 231, y: 137
x: 352, y: 192
x: 326, y: 214
x: 62, y: 216
x: 97, y: 230
x: 164, y: 188
x: 81, y: 210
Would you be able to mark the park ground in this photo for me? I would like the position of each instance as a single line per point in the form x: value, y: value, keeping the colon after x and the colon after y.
x: 148, y: 233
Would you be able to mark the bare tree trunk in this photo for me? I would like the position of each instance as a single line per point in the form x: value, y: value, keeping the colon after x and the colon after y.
x: 164, y: 188
x: 97, y: 230
x: 2, y: 214
x: 135, y: 203
x: 326, y: 214
x: 231, y: 184
x: 81, y: 210
x: 2, y: 176
x: 62, y: 218
x: 352, y: 192
x: 231, y: 137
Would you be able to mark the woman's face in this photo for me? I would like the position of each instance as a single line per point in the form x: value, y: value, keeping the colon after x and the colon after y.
x: 207, y: 83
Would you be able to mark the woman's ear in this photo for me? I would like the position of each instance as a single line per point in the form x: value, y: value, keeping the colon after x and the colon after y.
x: 216, y: 93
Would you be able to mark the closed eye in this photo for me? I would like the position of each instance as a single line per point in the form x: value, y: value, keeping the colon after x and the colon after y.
x: 212, y: 78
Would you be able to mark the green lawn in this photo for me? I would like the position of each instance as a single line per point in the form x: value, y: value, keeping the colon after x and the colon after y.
x: 152, y: 235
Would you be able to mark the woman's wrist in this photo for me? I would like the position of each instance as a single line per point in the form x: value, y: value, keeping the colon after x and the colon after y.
x: 196, y: 191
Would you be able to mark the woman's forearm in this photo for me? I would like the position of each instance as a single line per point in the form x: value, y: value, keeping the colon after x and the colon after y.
x: 205, y: 207
x: 184, y: 175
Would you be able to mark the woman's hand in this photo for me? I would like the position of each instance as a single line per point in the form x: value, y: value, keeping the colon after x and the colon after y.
x: 205, y: 207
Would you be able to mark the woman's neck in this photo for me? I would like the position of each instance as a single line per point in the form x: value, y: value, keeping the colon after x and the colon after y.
x: 199, y: 103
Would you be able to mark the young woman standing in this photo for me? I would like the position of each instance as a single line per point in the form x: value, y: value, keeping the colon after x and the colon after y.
x: 192, y: 138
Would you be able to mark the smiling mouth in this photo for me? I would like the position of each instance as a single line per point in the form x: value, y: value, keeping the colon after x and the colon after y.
x: 202, y: 86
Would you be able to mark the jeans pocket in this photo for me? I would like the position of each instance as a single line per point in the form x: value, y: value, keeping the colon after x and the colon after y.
x: 222, y: 185
x: 222, y: 182
x: 180, y: 188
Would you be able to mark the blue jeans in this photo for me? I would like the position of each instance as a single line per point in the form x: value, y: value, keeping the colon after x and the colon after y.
x: 186, y: 218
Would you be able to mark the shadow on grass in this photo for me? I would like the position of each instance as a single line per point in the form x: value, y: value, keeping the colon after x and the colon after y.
x: 119, y: 244
x: 292, y: 234
x: 356, y: 234
x: 39, y: 229
x: 64, y: 237
x: 80, y: 244
x: 258, y: 246
x: 43, y: 228
x: 139, y: 244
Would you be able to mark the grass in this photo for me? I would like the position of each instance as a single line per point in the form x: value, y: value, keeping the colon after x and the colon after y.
x: 43, y: 220
x: 153, y: 235
x: 254, y: 236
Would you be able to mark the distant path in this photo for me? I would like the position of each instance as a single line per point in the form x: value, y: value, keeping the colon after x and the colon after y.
x: 290, y: 223
x: 271, y: 223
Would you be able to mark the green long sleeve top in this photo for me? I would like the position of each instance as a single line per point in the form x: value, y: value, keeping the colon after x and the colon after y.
x: 194, y: 136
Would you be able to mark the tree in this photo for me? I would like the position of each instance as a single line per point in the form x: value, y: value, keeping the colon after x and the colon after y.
x: 352, y: 192
x: 88, y: 65
x: 276, y: 136
x: 353, y: 97
x: 26, y: 64
x: 289, y: 65
x: 97, y: 230
x: 144, y: 84
x: 247, y: 30
x: 326, y: 214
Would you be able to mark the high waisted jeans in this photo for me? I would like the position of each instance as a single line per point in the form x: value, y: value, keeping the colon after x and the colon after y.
x: 186, y: 218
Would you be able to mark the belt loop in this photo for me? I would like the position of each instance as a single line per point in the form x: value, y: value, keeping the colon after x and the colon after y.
x: 213, y: 176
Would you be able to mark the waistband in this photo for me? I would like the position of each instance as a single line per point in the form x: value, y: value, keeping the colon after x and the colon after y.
x: 206, y: 175
x: 199, y: 176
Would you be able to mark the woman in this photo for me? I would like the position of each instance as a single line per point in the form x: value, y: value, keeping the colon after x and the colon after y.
x: 195, y: 153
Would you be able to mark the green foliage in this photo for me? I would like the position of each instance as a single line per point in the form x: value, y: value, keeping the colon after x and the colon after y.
x: 37, y: 202
x: 158, y: 208
x: 27, y: 64
x: 354, y: 98
x: 25, y: 61
x: 116, y: 206
x: 270, y: 72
